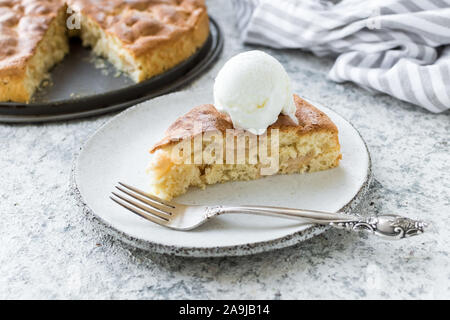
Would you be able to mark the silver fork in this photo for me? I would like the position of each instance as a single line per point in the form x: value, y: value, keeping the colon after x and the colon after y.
x: 187, y: 217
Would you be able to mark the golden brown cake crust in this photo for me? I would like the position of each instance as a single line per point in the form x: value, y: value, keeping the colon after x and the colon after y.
x: 23, y: 24
x: 309, y: 117
x: 144, y: 24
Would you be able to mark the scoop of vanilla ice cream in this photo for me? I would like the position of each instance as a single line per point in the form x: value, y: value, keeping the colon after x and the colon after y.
x: 253, y: 88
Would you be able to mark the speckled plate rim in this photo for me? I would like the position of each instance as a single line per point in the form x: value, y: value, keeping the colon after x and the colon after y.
x: 223, y: 251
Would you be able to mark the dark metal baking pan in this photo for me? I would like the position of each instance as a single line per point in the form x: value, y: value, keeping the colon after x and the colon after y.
x: 85, y: 85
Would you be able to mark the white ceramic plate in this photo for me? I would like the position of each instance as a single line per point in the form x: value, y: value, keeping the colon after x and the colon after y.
x: 119, y: 152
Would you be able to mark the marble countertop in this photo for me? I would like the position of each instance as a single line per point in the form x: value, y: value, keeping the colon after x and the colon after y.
x: 50, y: 249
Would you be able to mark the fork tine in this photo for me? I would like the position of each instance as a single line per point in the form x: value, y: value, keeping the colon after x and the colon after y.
x: 147, y: 209
x: 149, y: 196
x: 155, y: 205
x: 140, y: 213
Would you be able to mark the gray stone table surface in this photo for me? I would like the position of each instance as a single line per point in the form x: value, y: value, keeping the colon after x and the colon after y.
x: 50, y: 249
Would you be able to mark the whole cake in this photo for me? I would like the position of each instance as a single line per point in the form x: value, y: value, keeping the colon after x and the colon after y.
x: 142, y: 38
x: 310, y: 145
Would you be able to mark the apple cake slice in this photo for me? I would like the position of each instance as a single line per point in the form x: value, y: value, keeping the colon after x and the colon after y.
x: 202, y: 148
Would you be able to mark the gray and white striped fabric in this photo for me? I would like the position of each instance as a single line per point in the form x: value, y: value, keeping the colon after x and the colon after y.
x: 399, y: 47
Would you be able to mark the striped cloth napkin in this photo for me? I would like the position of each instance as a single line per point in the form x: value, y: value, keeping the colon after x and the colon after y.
x: 399, y: 47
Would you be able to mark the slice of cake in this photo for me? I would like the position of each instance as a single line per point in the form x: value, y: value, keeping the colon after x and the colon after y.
x: 32, y: 39
x: 202, y: 148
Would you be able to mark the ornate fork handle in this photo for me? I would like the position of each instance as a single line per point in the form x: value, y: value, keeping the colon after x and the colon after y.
x: 387, y: 226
